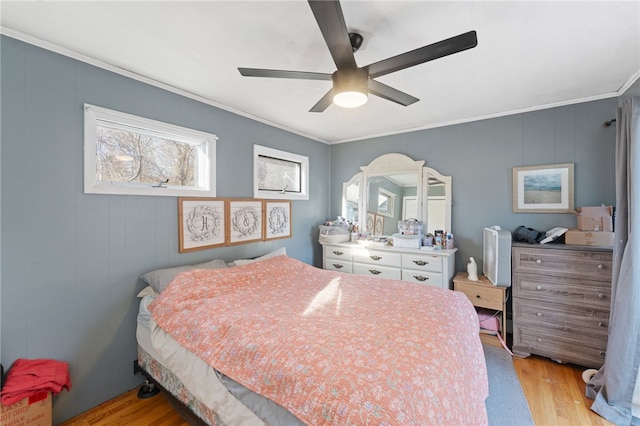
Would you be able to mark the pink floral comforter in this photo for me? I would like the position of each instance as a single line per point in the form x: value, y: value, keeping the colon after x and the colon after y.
x: 334, y: 348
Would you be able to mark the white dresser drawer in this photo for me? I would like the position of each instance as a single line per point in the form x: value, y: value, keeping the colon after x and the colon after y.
x: 422, y: 262
x: 336, y: 252
x: 376, y: 271
x: 377, y: 257
x: 338, y: 265
x: 422, y: 277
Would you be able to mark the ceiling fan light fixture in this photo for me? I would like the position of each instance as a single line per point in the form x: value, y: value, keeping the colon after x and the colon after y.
x: 350, y: 88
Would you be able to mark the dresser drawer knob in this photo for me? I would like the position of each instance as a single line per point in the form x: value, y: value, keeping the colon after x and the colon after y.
x: 420, y: 262
x: 478, y: 296
x: 338, y: 253
x: 602, y: 353
x: 538, y: 261
x: 337, y: 265
x: 600, y: 266
x: 375, y: 257
x: 420, y: 278
x: 603, y: 324
x: 539, y: 340
x: 600, y: 296
x: 375, y: 272
x: 538, y: 314
x: 538, y: 287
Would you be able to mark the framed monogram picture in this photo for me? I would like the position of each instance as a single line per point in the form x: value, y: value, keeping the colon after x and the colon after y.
x: 202, y: 223
x: 277, y: 220
x: 245, y: 220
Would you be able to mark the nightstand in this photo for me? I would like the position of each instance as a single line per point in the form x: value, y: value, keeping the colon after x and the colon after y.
x: 483, y: 294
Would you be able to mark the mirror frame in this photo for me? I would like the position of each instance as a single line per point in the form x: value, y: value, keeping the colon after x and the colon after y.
x: 397, y: 164
x: 384, y: 165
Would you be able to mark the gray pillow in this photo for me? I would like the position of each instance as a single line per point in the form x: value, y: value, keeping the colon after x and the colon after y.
x: 159, y: 279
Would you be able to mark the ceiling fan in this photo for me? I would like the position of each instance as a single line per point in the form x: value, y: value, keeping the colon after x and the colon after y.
x: 351, y: 83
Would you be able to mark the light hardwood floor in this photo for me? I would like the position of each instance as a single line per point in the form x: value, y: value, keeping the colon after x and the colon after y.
x: 555, y: 393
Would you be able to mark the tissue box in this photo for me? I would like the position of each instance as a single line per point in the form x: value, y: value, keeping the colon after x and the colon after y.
x: 32, y: 411
x: 589, y: 238
x: 598, y: 218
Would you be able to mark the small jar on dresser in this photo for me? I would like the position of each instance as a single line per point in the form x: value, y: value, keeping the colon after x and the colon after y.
x: 561, y: 302
x: 429, y: 267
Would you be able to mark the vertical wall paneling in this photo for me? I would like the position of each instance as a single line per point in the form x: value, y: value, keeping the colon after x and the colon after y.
x: 71, y: 261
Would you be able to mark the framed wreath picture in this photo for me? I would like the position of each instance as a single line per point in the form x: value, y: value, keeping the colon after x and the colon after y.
x: 245, y: 221
x: 277, y: 219
x: 202, y: 223
x: 543, y: 189
x: 371, y: 219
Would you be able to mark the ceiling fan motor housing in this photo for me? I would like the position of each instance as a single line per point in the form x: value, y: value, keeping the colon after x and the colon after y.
x: 350, y: 80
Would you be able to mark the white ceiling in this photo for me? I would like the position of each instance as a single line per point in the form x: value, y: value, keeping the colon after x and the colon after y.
x: 530, y: 55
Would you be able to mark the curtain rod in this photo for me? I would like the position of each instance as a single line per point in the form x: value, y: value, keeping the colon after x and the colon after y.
x: 608, y: 123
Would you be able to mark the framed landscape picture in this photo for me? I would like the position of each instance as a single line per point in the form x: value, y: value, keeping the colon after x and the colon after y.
x: 245, y: 220
x: 201, y: 223
x: 543, y: 189
x: 277, y: 219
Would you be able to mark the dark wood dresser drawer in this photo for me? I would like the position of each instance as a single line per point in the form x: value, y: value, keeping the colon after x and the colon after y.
x: 564, y: 263
x: 574, y: 291
x: 589, y: 353
x: 563, y: 320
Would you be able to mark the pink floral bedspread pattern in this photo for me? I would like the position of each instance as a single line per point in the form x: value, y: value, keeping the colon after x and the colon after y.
x: 334, y: 348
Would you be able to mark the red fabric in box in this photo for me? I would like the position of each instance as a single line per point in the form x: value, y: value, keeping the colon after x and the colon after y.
x: 30, y: 377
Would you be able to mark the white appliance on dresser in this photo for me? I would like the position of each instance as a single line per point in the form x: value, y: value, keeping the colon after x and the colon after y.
x: 430, y: 267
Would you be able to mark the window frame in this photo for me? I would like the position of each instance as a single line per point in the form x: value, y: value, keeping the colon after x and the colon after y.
x: 207, y: 168
x: 263, y: 151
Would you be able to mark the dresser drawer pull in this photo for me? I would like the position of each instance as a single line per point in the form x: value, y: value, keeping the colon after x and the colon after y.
x: 338, y: 253
x: 375, y: 272
x: 603, y: 324
x: 538, y: 314
x: 337, y: 265
x: 420, y: 278
x: 600, y: 266
x: 420, y: 262
x: 539, y: 287
x: 375, y: 257
x: 478, y: 296
x: 539, y: 340
x: 602, y: 353
x: 538, y: 261
x: 600, y: 296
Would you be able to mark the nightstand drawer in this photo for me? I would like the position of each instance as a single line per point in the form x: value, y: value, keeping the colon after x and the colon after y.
x: 482, y: 296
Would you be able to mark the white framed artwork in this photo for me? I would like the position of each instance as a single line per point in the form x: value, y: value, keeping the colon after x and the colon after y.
x: 277, y: 219
x: 201, y: 223
x: 245, y: 220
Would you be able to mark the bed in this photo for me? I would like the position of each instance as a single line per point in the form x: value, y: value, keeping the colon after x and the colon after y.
x: 279, y: 342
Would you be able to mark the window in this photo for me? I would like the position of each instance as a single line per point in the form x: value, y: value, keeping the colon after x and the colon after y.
x: 279, y: 174
x: 386, y: 201
x: 126, y: 154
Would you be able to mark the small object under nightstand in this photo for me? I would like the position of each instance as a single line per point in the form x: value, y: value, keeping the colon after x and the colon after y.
x: 483, y: 294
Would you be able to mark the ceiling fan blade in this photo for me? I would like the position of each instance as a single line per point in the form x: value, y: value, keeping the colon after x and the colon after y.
x: 423, y: 54
x: 323, y: 103
x: 301, y: 75
x: 391, y: 94
x: 330, y: 19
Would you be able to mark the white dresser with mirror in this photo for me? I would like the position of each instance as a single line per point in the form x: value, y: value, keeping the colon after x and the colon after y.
x: 394, y: 187
x: 429, y: 267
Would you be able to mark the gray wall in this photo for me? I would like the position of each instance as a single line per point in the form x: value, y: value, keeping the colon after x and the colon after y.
x: 480, y: 155
x: 70, y: 261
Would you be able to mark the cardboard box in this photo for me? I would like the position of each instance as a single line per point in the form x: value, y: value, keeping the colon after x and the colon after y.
x: 32, y: 411
x: 598, y: 218
x: 589, y: 238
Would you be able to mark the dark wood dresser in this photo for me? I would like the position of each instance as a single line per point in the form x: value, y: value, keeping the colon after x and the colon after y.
x: 561, y: 300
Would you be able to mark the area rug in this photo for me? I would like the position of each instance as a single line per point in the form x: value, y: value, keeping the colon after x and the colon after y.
x: 506, y: 404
